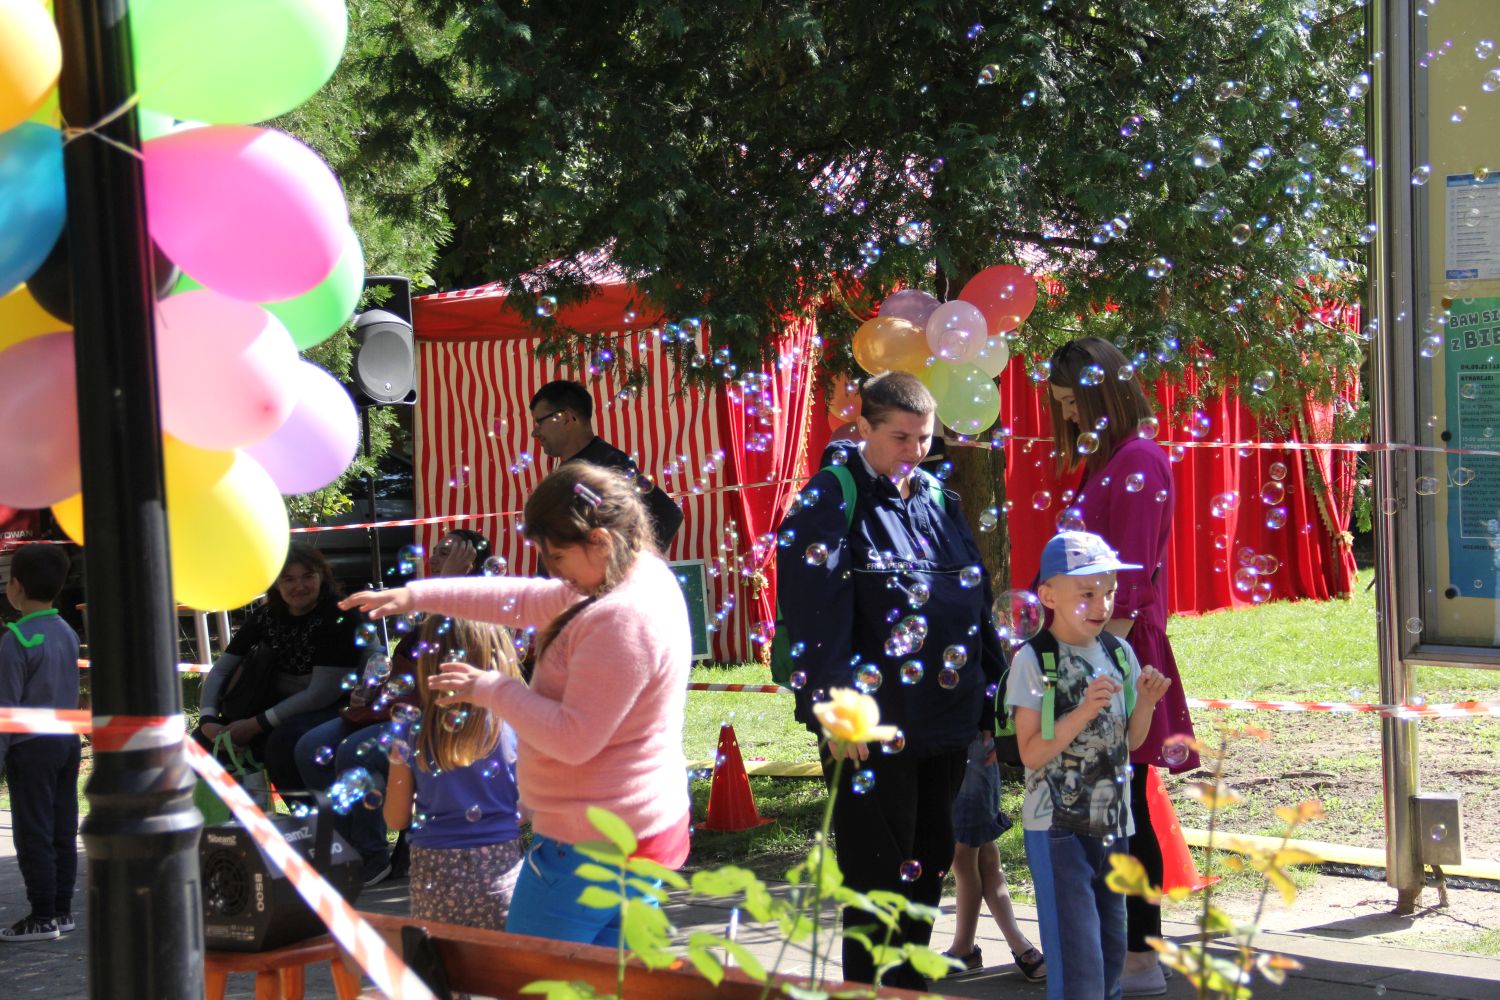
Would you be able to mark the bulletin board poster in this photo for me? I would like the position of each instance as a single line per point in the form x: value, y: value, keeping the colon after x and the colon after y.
x: 1472, y: 391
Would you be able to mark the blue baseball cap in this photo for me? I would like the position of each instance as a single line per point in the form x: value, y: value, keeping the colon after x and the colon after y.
x: 1079, y: 553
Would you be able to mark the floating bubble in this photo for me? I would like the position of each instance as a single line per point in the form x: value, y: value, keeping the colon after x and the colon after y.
x: 761, y: 633
x: 474, y: 814
x: 970, y: 577
x: 1414, y: 626
x: 1431, y: 346
x: 1148, y: 428
x: 988, y: 75
x: 401, y: 686
x: 495, y: 566
x: 797, y: 649
x: 1245, y: 579
x: 955, y: 656
x: 408, y: 558
x: 1263, y: 382
x: 366, y: 635
x: 1091, y: 375
x: 1266, y: 564
x: 1224, y: 503
x: 1028, y: 99
x: 1276, y: 518
x: 918, y: 594
x: 1421, y: 175
x: 1427, y: 486
x: 1131, y: 126
x: 1199, y: 425
x: 323, y: 756
x: 1491, y: 81
x: 1207, y: 151
x: 350, y: 680
x: 1174, y: 753
x: 911, y: 870
x: 989, y: 519
x: 1135, y: 482
x: 1158, y: 268
x: 868, y: 678
x: 816, y: 554
x: 895, y: 744
x: 1071, y: 519
x: 1461, y: 475
x: 1088, y: 443
x: 373, y: 798
x: 862, y: 781
x: 1277, y: 471
x: 349, y: 788
x: 948, y: 678
x: 546, y: 306
x: 1240, y: 234
x: 797, y: 681
x: 1017, y: 616
x: 1272, y: 493
x: 1469, y: 390
x: 406, y: 623
x: 454, y: 719
x: 1041, y: 500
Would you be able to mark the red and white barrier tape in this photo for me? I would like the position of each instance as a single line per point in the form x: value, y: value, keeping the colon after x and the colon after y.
x: 362, y: 942
x: 182, y: 668
x: 46, y: 721
x: 137, y: 732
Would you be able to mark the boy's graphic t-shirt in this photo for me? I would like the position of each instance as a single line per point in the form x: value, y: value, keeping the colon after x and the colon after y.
x: 1086, y: 787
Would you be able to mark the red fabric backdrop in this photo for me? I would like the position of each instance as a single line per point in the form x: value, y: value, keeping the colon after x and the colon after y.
x: 1311, y: 548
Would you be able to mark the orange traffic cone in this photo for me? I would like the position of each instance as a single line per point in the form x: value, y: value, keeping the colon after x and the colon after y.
x: 731, y: 807
x: 1178, y: 869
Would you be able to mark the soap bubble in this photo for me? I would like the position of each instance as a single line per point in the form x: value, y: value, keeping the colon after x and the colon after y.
x: 911, y: 672
x: 1240, y: 234
x: 1259, y: 157
x: 1263, y: 382
x: 1353, y: 163
x: 408, y: 558
x: 1158, y: 268
x: 1431, y: 346
x: 1071, y: 519
x: 895, y: 744
x: 1245, y: 579
x: 1174, y: 753
x: 366, y: 635
x: 1041, y: 500
x: 454, y: 719
x: 1414, y: 626
x: 400, y: 687
x: 1088, y: 443
x: 1272, y: 493
x: 868, y: 678
x: 1135, y: 482
x: 1276, y: 518
x: 1421, y: 175
x: 1198, y: 425
x: 1491, y: 81
x: 349, y: 788
x: 350, y: 681
x: 474, y: 814
x: 798, y: 680
x: 1461, y: 475
x: 1266, y: 564
x: 955, y: 656
x: 1017, y: 615
x: 970, y: 577
x: 1438, y: 832
x: 988, y: 75
x: 323, y: 756
x: 948, y: 678
x: 1207, y: 151
x: 816, y: 554
x: 862, y: 781
x: 1224, y: 503
x: 1427, y: 486
x: 546, y: 306
x: 989, y: 519
x: 1148, y: 428
x: 911, y: 870
x: 495, y: 566
x: 1130, y: 126
x: 1277, y: 471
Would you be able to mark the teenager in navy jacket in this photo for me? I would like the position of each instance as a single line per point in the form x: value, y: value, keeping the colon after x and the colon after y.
x: 895, y: 602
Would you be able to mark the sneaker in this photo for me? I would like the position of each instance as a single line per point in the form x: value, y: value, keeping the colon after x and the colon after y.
x: 972, y: 962
x: 1149, y: 982
x: 30, y: 928
x: 65, y: 923
x: 374, y: 871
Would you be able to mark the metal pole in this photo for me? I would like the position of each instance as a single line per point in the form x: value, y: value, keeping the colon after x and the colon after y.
x: 141, y: 834
x: 1392, y: 292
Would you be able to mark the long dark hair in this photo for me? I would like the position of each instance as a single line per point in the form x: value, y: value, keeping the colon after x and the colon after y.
x: 1120, y: 399
x: 308, y: 558
x: 562, y: 510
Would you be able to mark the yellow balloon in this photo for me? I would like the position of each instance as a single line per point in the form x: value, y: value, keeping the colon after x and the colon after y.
x: 21, y: 318
x: 30, y: 59
x: 227, y: 524
x: 890, y: 344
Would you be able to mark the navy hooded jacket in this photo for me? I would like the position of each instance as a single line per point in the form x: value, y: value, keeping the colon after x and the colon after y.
x: 900, y: 565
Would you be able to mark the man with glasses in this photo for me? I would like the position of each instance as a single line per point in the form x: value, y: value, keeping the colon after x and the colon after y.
x: 562, y: 421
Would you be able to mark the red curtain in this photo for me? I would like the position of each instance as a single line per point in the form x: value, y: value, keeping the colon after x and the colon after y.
x: 1207, y: 550
x: 770, y: 456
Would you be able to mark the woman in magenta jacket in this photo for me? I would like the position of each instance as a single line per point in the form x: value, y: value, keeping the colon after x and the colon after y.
x: 1103, y: 422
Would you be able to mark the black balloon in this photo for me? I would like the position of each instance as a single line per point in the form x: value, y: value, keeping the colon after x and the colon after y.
x: 52, y: 283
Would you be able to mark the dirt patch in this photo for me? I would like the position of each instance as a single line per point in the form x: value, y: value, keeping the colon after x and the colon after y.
x: 1336, y: 759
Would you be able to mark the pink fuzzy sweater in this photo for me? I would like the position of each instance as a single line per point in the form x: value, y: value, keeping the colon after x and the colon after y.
x: 601, y: 723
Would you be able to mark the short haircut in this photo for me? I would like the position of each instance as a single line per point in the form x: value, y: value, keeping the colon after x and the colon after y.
x: 1104, y: 394
x: 565, y: 394
x: 41, y: 570
x: 882, y: 394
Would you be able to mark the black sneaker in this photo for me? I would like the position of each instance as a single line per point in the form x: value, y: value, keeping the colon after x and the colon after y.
x: 66, y: 923
x: 973, y: 962
x: 374, y: 871
x: 30, y: 928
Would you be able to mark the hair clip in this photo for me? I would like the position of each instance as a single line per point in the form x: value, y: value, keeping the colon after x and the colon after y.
x: 593, y: 499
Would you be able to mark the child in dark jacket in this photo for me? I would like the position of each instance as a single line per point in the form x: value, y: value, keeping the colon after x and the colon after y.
x: 39, y: 669
x: 890, y: 597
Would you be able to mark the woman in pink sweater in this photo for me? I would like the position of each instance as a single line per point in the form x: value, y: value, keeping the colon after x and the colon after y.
x: 601, y: 723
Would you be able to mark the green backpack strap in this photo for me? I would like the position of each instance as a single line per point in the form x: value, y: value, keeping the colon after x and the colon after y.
x: 1117, y: 649
x: 847, y: 487
x: 1049, y: 693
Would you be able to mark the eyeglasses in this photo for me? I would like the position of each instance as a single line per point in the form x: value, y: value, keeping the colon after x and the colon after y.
x: 542, y: 420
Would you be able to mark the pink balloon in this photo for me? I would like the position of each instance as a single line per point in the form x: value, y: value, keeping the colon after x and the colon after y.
x: 910, y: 304
x: 225, y: 370
x: 956, y: 332
x: 248, y: 212
x: 317, y: 442
x: 1005, y: 293
x: 38, y: 422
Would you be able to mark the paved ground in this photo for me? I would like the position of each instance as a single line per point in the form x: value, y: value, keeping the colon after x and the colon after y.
x: 1342, y: 961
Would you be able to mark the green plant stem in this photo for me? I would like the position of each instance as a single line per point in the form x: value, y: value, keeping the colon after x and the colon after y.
x: 620, y: 944
x: 1208, y: 890
x: 1260, y: 908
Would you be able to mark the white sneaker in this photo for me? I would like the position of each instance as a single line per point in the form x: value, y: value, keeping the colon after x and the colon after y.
x: 30, y: 928
x: 1149, y: 982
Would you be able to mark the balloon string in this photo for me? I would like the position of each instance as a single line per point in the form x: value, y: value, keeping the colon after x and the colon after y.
x: 71, y: 133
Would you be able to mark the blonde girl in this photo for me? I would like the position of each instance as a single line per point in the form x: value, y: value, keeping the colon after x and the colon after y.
x: 453, y: 782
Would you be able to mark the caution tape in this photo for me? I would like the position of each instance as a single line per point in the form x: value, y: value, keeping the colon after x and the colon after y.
x: 46, y: 721
x: 113, y: 733
x: 359, y: 940
x: 1415, y: 710
x: 182, y: 668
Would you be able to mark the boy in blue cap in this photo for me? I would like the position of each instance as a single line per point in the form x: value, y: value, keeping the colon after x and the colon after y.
x: 39, y: 669
x: 1076, y: 721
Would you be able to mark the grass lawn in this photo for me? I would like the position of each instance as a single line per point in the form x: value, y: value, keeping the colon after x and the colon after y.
x: 1294, y: 651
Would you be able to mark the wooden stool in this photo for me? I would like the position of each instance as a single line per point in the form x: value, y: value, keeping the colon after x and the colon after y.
x: 279, y: 973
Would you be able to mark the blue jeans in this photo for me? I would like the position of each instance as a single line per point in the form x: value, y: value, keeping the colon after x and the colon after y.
x: 363, y: 827
x: 545, y: 903
x: 1082, y: 919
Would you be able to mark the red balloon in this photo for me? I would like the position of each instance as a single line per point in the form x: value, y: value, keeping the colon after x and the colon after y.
x: 1006, y: 295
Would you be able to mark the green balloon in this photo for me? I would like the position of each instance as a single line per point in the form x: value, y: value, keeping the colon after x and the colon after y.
x: 316, y: 315
x: 234, y: 62
x: 970, y: 402
x: 937, y: 377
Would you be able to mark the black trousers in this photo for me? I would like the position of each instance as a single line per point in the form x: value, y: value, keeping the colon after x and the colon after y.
x: 905, y: 816
x: 1142, y: 920
x: 43, y: 776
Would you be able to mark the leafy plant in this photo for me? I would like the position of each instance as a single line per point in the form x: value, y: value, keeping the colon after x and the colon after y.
x: 1212, y: 974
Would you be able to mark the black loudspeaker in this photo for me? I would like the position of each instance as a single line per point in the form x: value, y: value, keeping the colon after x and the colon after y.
x: 250, y: 906
x: 385, y: 351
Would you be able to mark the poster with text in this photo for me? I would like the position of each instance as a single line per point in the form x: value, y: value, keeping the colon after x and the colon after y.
x: 1472, y: 390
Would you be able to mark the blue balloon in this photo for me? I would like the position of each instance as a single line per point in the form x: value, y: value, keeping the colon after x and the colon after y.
x: 33, y: 201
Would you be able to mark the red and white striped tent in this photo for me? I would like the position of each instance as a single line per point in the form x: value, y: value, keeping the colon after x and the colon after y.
x: 729, y: 456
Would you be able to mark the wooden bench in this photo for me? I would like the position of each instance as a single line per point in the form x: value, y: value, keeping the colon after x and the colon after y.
x: 280, y: 973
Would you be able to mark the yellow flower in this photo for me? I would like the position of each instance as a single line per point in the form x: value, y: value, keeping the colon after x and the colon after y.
x: 851, y: 717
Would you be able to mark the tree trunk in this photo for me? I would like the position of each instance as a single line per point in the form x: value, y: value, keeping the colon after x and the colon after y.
x: 979, y: 479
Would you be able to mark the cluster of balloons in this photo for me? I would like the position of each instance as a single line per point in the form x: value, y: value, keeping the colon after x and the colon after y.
x: 256, y: 260
x: 957, y: 348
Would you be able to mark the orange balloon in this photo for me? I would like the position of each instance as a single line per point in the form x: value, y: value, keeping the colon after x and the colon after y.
x: 890, y: 344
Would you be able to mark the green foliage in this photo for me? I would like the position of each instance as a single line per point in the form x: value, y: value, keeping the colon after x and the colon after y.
x: 747, y: 161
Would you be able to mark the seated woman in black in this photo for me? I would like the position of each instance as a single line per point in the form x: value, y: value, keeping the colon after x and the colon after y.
x: 307, y: 644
